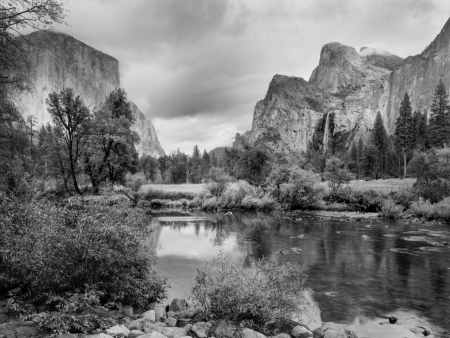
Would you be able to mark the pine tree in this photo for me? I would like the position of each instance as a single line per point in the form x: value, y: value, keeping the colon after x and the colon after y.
x: 360, y: 154
x: 439, y: 126
x: 403, y: 129
x: 354, y: 157
x: 379, y: 141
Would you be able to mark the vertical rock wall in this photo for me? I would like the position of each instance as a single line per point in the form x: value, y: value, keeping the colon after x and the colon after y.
x: 59, y: 61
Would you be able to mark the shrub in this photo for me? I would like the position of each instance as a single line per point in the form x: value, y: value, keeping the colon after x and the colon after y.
x: 210, y: 203
x: 302, y: 191
x: 261, y: 294
x: 391, y: 211
x: 336, y: 174
x: 438, y: 211
x: 218, y: 181
x: 49, y: 248
x: 404, y: 197
x: 91, y: 316
x: 235, y: 193
x: 152, y: 194
x: 366, y: 201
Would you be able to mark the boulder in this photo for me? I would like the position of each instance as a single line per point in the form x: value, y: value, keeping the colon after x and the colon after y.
x: 282, y: 335
x: 222, y: 329
x: 301, y: 332
x: 149, y: 327
x: 118, y: 331
x: 178, y: 304
x: 190, y: 312
x: 160, y: 311
x: 172, y: 314
x: 248, y: 333
x: 170, y: 321
x: 135, y: 333
x: 153, y: 334
x: 99, y: 335
x: 200, y: 330
x: 176, y: 332
x: 333, y: 330
x: 150, y: 314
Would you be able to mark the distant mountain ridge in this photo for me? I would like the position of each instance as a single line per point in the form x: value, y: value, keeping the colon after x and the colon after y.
x: 348, y: 88
x: 59, y: 61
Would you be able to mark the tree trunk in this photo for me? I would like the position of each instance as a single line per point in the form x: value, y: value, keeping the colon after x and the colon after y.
x: 404, y: 164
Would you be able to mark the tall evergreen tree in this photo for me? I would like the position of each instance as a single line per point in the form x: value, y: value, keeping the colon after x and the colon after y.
x: 404, y: 129
x: 439, y: 126
x: 379, y: 141
x: 360, y: 155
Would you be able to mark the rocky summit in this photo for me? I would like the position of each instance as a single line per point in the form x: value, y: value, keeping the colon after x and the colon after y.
x: 344, y: 94
x: 59, y: 61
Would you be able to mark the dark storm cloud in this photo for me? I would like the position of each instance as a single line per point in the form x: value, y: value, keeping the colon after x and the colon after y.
x: 199, y: 66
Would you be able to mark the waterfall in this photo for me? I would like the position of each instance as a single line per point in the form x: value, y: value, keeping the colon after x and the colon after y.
x: 325, y: 134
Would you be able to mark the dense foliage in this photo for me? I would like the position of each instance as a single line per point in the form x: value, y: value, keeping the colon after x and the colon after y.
x: 261, y: 294
x: 46, y: 248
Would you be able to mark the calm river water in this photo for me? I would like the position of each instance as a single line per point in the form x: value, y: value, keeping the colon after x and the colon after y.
x: 359, y: 271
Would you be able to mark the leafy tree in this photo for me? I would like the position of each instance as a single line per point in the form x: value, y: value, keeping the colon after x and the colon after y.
x: 111, y: 151
x: 379, y: 141
x: 336, y: 174
x: 16, y: 15
x: 149, y: 166
x: 439, y: 124
x: 71, y: 119
x: 403, y: 129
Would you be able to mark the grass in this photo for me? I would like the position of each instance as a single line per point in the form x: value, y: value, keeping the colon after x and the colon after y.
x: 189, y: 188
x: 385, y: 186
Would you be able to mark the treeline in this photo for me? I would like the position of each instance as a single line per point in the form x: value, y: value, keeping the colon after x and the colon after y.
x: 388, y: 156
x: 79, y: 148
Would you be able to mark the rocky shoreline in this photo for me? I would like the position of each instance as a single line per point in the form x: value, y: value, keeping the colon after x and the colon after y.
x: 180, y: 319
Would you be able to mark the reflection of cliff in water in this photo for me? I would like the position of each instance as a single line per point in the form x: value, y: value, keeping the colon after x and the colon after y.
x: 354, y: 267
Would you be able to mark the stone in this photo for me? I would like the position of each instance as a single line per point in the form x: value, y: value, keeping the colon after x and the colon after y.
x: 135, y: 333
x: 170, y: 321
x: 172, y: 314
x: 248, y: 333
x: 178, y: 304
x: 176, y: 332
x: 65, y: 335
x: 199, y: 317
x: 333, y: 330
x: 150, y: 314
x: 139, y: 324
x: 153, y: 334
x: 222, y: 329
x: 157, y: 326
x: 301, y: 332
x: 282, y: 335
x: 160, y: 311
x: 200, y: 330
x: 118, y: 331
x: 127, y: 310
x: 182, y: 322
x: 99, y: 335
x: 190, y: 312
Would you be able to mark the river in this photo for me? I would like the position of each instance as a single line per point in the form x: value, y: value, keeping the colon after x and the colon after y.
x: 360, y: 272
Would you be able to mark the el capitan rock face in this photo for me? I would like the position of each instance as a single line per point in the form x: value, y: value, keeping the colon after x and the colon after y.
x: 349, y: 87
x: 59, y: 61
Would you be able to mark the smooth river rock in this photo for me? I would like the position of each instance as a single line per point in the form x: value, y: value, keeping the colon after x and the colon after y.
x: 333, y: 330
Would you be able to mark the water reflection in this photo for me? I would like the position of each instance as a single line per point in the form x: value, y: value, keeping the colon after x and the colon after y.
x: 359, y: 271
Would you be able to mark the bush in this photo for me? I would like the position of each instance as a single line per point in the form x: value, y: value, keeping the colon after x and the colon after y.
x: 391, y: 211
x: 439, y: 211
x: 218, y: 181
x: 302, y: 191
x: 49, y: 248
x: 235, y: 193
x: 152, y: 194
x: 366, y: 201
x: 260, y: 295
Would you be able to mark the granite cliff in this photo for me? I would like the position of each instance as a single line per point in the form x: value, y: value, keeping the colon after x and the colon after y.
x: 59, y: 61
x: 344, y: 94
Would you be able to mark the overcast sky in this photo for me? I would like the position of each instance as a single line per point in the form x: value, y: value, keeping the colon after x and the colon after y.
x: 198, y: 67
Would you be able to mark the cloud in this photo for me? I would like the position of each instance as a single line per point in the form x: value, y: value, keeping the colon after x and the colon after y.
x: 210, y: 61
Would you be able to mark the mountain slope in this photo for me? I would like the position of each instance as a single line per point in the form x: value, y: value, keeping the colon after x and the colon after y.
x: 59, y: 61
